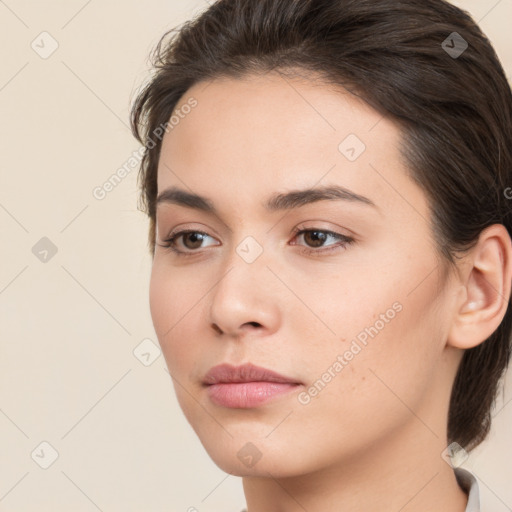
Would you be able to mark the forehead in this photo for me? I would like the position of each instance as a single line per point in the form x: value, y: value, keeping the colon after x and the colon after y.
x: 273, y: 107
x: 248, y: 137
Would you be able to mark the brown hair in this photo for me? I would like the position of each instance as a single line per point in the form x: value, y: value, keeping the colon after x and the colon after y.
x: 454, y: 106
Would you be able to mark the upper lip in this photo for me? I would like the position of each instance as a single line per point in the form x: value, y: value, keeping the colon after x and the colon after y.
x: 226, y: 373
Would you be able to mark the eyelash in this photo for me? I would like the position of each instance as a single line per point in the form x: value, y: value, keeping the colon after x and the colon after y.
x: 170, y: 242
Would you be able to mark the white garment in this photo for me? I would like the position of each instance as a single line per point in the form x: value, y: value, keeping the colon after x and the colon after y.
x: 469, y: 485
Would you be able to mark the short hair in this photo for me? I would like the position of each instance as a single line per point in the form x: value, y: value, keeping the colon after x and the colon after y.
x: 406, y: 58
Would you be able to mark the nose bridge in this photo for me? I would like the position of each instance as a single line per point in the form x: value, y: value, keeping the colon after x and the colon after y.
x: 243, y: 294
x: 245, y: 268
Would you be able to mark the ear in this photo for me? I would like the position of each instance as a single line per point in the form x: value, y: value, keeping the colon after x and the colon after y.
x: 486, y: 284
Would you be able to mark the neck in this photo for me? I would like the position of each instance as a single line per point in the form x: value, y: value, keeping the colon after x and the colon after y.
x: 406, y: 473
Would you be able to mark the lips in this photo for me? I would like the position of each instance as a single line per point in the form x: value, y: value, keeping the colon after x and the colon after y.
x: 245, y: 386
x: 226, y: 373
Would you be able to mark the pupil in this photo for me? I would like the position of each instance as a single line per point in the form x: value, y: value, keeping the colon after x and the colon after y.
x: 318, y: 237
x: 196, y: 236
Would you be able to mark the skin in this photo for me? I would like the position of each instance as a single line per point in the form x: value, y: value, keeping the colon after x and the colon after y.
x: 373, y: 437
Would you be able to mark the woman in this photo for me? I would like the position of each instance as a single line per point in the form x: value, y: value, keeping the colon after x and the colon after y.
x: 327, y: 184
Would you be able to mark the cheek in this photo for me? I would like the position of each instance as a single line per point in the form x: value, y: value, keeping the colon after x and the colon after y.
x: 385, y: 333
x: 161, y: 301
x: 172, y: 311
x: 171, y: 308
x: 378, y: 382
x: 172, y: 296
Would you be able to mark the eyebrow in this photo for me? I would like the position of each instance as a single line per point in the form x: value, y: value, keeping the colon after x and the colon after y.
x: 276, y: 202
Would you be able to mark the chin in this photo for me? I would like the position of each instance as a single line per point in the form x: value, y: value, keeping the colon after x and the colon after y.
x: 242, y: 457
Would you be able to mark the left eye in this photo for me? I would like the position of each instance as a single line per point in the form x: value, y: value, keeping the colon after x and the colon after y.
x: 319, y: 236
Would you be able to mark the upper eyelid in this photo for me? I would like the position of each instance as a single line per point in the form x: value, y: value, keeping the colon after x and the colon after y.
x: 186, y: 227
x: 296, y: 230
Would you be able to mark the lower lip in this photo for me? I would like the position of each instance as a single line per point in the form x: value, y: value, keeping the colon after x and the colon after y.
x: 244, y: 395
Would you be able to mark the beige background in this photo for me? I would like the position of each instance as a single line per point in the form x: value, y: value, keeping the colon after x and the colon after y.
x: 68, y: 373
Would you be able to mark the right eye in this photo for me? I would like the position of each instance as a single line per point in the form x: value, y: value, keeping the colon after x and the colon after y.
x: 193, y: 236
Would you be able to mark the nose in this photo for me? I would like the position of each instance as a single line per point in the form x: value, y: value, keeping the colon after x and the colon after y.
x: 245, y: 300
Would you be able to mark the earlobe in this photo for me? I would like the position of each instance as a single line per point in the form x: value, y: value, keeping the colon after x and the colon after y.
x: 487, y: 285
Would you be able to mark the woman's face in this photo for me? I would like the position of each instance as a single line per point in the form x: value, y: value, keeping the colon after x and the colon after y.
x: 353, y: 311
